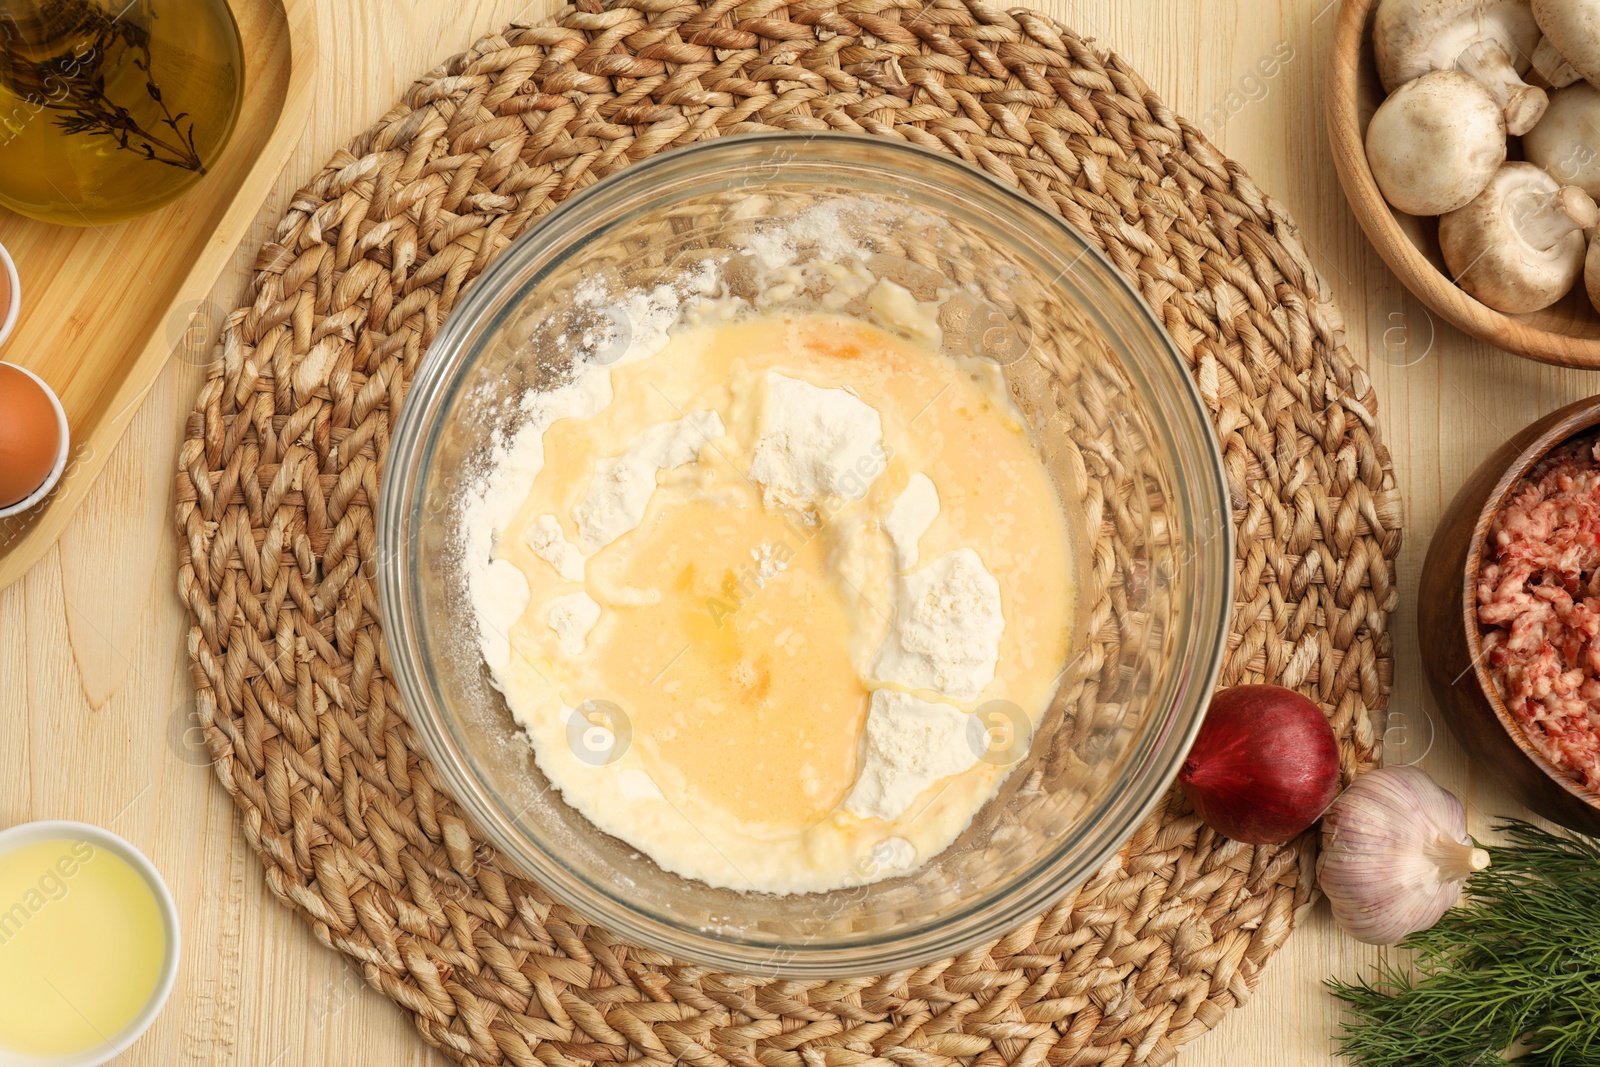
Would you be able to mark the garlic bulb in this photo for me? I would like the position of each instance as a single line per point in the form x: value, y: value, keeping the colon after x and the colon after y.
x: 1395, y: 853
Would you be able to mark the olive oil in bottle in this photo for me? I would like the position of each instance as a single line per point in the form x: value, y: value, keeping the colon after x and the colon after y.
x: 112, y: 108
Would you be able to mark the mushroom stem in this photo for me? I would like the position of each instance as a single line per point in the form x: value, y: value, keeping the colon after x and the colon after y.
x: 1572, y: 29
x: 1543, y: 219
x: 1553, y: 66
x: 1487, y: 62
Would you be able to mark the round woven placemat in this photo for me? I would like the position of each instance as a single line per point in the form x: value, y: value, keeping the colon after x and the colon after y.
x: 279, y: 475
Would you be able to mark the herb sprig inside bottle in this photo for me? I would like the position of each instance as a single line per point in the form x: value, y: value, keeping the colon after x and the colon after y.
x: 72, y: 84
x: 108, y: 109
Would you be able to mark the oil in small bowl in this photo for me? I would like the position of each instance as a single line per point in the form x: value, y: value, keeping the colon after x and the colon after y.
x: 88, y: 944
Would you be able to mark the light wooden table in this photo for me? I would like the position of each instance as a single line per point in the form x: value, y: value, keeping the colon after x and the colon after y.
x: 93, y: 678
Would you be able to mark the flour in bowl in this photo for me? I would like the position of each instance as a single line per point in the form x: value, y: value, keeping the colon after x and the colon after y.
x: 793, y: 552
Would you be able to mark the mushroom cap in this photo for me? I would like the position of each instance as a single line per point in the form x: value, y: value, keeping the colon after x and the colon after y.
x: 1573, y: 28
x: 1435, y: 143
x: 1487, y: 250
x: 1591, y: 273
x: 1412, y: 37
x: 1567, y: 140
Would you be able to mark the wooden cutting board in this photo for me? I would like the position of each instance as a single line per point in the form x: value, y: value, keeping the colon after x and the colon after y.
x: 105, y: 307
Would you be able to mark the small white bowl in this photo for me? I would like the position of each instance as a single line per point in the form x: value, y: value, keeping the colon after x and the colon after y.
x: 61, y: 458
x: 116, y: 1044
x: 9, y: 318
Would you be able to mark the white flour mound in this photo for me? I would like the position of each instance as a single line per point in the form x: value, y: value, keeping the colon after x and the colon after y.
x: 908, y: 745
x: 572, y: 617
x: 815, y: 443
x: 551, y: 545
x: 623, y: 485
x: 947, y: 626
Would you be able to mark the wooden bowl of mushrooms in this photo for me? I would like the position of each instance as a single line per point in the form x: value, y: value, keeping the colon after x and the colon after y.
x: 1466, y: 134
x: 1510, y: 594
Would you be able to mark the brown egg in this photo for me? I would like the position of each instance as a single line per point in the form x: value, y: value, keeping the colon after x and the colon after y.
x: 30, y: 436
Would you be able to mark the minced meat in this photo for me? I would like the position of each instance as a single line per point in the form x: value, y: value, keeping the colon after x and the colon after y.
x: 1539, y: 604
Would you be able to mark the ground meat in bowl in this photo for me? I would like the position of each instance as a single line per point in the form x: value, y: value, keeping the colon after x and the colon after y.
x: 1539, y: 605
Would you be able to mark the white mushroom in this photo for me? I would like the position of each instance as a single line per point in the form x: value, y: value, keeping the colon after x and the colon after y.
x: 1591, y: 273
x: 1490, y: 40
x: 1520, y: 245
x: 1552, y: 66
x: 1567, y: 140
x: 1434, y: 144
x: 1572, y: 28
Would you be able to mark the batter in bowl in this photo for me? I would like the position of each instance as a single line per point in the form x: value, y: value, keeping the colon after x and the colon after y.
x: 760, y: 597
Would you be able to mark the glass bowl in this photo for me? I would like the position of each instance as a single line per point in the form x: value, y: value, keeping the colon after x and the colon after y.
x: 1111, y: 407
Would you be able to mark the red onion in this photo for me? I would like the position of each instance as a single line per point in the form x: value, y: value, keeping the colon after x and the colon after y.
x: 1265, y: 764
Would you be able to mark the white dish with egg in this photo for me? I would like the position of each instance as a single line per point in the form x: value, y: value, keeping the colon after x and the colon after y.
x: 63, y: 444
x: 10, y: 294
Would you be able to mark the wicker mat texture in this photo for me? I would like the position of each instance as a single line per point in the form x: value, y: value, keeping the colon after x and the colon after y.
x: 279, y: 475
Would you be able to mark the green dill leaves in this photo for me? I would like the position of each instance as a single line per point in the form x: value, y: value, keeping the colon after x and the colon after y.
x: 1515, y: 973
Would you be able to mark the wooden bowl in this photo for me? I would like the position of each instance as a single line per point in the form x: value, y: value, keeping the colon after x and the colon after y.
x: 1566, y: 334
x: 1447, y: 627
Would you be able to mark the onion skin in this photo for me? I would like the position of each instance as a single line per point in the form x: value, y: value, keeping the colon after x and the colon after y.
x: 1264, y: 767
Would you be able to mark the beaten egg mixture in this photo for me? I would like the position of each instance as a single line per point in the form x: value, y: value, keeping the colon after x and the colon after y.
x: 769, y: 593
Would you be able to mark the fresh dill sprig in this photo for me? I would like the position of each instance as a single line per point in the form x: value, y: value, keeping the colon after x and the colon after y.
x: 1516, y: 972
